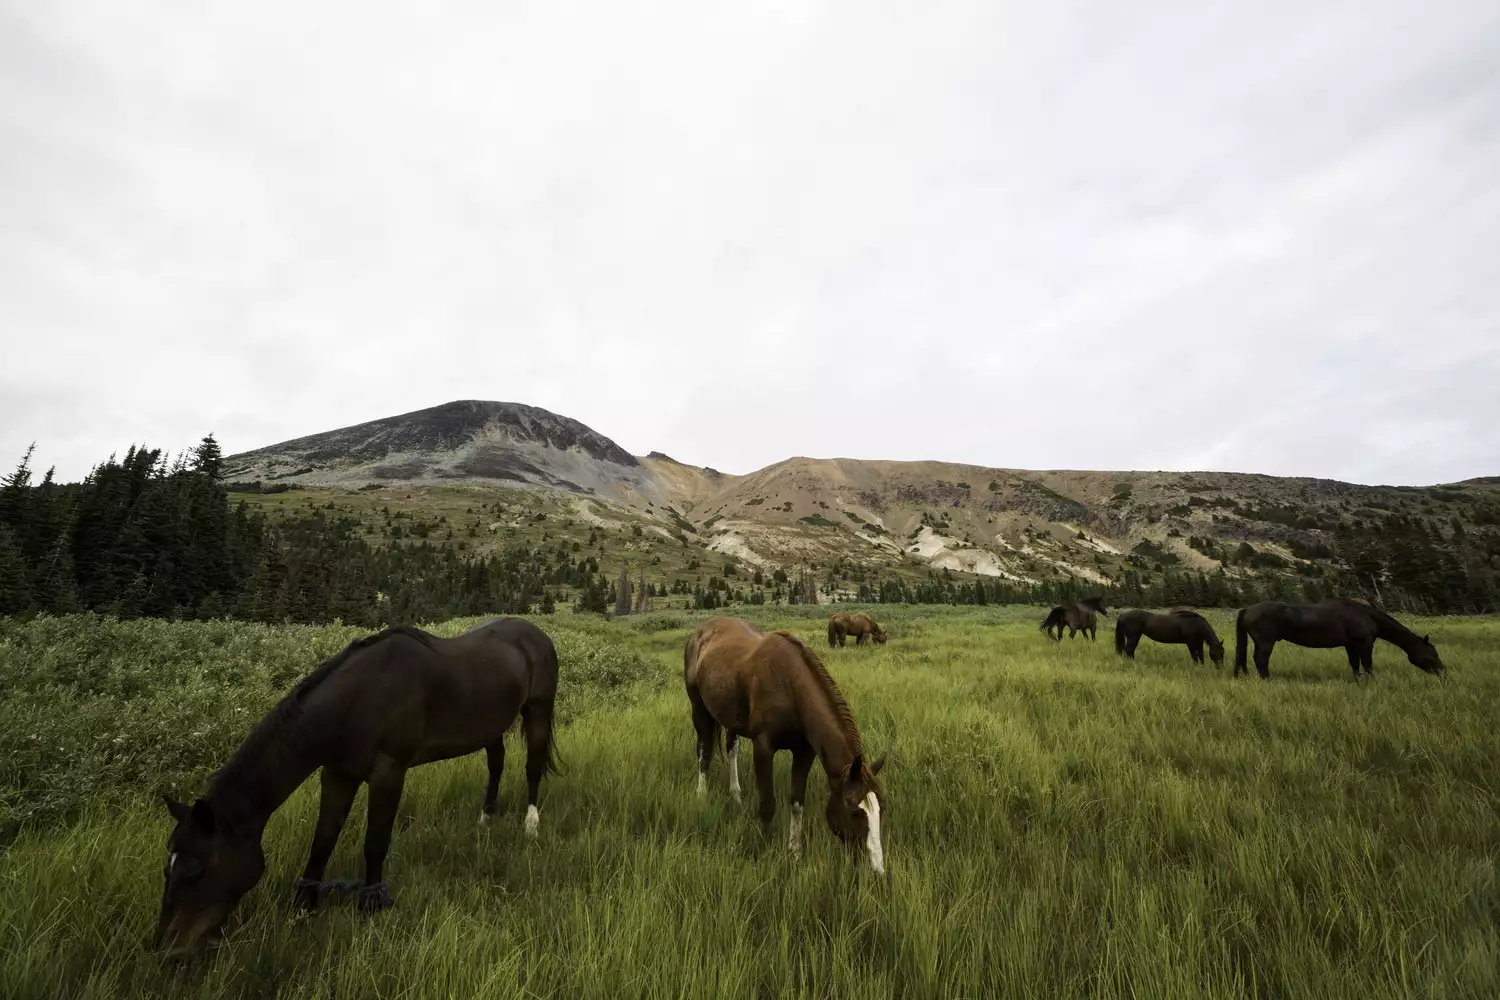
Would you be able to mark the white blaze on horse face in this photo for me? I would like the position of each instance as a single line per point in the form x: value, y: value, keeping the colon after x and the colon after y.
x: 871, y: 807
x: 734, y: 771
x: 533, y: 820
x: 795, y: 838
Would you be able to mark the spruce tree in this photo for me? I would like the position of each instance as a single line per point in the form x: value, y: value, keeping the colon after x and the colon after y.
x: 15, y: 583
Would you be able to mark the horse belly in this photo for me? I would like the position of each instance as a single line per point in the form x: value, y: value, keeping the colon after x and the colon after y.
x: 468, y: 717
x: 1315, y: 636
x: 1163, y: 635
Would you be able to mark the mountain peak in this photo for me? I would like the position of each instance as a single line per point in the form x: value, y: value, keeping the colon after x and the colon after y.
x: 462, y: 439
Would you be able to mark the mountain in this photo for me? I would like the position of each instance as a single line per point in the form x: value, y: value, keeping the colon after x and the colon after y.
x: 864, y: 518
x: 466, y: 440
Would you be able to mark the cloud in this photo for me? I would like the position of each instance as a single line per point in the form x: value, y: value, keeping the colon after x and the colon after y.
x: 1242, y: 236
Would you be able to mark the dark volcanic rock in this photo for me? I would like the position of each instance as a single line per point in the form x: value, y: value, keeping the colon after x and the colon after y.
x: 445, y: 428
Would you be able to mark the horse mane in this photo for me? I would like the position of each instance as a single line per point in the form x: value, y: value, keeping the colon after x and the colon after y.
x: 831, y: 690
x: 1379, y: 615
x: 1186, y: 613
x: 274, y: 739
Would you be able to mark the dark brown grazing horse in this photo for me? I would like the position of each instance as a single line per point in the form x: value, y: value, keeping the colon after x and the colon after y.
x: 855, y: 623
x: 1182, y: 626
x: 1352, y: 623
x: 773, y: 690
x: 387, y: 703
x: 1075, y: 616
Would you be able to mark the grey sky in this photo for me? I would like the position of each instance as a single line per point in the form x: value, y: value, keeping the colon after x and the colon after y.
x: 1255, y: 236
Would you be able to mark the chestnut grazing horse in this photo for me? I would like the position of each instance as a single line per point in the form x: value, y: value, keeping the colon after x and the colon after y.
x: 855, y: 623
x: 387, y: 703
x: 1352, y: 623
x: 1181, y: 625
x: 773, y: 690
x: 1075, y: 616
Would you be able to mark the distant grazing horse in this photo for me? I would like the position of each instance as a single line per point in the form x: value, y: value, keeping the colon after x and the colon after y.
x: 857, y: 624
x: 387, y: 703
x: 1180, y: 625
x: 773, y: 690
x: 1075, y: 616
x: 1338, y: 621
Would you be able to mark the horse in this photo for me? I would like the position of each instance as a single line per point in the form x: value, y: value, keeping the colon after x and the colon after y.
x: 1075, y: 616
x: 775, y: 691
x: 387, y: 703
x: 857, y: 624
x: 1180, y: 625
x: 1352, y: 623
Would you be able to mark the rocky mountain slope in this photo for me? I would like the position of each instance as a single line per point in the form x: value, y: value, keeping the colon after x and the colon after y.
x: 861, y: 518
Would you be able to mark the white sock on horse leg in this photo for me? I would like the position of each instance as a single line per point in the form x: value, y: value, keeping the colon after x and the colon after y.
x: 734, y: 771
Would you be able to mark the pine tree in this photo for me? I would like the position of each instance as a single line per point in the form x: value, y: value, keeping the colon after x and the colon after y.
x: 15, y: 583
x: 622, y: 593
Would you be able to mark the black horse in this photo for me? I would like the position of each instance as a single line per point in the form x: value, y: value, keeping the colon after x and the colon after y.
x: 1075, y: 616
x: 1182, y: 626
x: 387, y: 703
x: 1352, y: 623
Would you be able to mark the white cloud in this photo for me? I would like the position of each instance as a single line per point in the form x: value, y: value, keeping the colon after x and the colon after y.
x: 1238, y: 235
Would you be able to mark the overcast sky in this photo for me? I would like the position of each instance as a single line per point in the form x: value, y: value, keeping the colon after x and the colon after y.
x: 1252, y: 236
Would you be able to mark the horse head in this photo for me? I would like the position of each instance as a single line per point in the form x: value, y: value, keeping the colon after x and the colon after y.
x: 1424, y: 656
x: 855, y: 807
x: 209, y: 867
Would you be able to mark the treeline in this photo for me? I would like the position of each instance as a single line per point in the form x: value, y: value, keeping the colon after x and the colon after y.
x: 145, y: 536
x: 150, y: 536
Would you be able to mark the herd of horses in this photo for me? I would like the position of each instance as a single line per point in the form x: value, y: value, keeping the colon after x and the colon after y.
x: 1351, y: 623
x: 403, y: 697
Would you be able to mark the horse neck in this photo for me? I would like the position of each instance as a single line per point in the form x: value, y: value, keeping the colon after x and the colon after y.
x: 820, y: 724
x: 1394, y: 632
x: 279, y: 754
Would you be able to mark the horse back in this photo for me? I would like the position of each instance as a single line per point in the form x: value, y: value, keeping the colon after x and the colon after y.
x: 417, y: 698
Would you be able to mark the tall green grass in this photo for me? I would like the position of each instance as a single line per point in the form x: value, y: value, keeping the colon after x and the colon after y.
x: 1060, y: 823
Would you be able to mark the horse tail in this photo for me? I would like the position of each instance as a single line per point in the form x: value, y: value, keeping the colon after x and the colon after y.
x: 1120, y: 636
x: 552, y: 756
x: 1241, y: 638
x: 1053, y: 617
x: 833, y: 632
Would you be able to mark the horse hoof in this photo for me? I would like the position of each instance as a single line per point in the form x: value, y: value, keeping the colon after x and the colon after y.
x: 309, y: 895
x: 373, y: 898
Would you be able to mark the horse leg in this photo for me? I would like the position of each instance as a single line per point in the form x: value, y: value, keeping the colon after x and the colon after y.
x: 334, y: 799
x: 708, y: 737
x: 1263, y: 657
x: 732, y: 753
x: 536, y: 719
x: 1195, y: 650
x: 1353, y: 653
x: 802, y: 762
x: 765, y: 781
x: 495, y: 756
x: 386, y: 782
x: 1367, y: 654
x: 1130, y: 645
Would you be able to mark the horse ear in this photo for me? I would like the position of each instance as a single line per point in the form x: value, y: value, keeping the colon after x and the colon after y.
x: 1426, y: 640
x: 179, y: 810
x: 879, y: 763
x: 203, y: 816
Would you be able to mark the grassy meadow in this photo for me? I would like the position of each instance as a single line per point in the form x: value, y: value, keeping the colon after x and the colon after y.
x: 1059, y: 823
